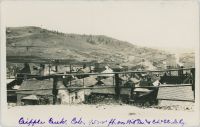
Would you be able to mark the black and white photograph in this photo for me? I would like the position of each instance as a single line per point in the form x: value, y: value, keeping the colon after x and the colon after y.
x: 100, y: 63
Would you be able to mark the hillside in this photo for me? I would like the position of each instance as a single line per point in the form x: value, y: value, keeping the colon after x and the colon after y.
x: 188, y: 59
x: 35, y: 42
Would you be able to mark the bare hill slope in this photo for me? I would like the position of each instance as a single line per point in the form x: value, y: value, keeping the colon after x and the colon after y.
x: 41, y: 43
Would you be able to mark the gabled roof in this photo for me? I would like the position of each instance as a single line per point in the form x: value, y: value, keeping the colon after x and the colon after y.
x: 107, y: 70
x: 108, y: 81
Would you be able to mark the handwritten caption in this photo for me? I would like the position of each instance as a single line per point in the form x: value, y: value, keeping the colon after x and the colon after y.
x: 79, y: 121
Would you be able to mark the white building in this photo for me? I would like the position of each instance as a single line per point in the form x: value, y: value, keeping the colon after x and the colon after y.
x: 70, y: 96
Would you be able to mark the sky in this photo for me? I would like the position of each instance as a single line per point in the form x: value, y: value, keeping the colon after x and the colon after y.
x: 171, y: 25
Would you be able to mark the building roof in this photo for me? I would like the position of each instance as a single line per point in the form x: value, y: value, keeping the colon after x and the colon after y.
x: 88, y: 81
x: 16, y: 87
x: 30, y: 97
x: 108, y: 81
x: 36, y: 84
x: 176, y: 93
x: 142, y: 90
x: 107, y: 70
x: 9, y: 81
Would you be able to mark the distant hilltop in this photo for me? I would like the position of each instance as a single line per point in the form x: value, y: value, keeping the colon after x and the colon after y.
x: 31, y: 41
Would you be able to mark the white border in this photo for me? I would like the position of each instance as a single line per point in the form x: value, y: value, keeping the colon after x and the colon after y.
x: 3, y: 70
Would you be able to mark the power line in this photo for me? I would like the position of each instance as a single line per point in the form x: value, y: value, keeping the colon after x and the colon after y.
x: 101, y: 87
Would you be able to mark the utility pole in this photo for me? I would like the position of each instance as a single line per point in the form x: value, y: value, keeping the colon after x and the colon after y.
x: 193, y: 80
x: 55, y: 90
x: 117, y: 86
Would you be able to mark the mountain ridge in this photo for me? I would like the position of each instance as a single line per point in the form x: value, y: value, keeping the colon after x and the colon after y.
x: 43, y: 43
